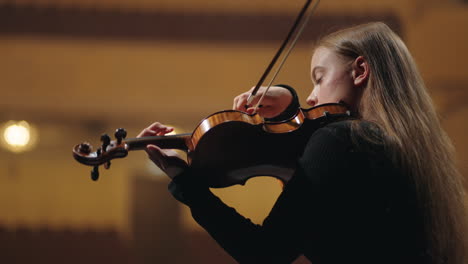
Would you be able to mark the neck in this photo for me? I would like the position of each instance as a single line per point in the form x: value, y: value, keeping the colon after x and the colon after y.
x: 166, y: 142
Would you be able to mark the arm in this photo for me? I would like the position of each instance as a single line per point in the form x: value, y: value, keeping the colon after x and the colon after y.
x: 291, y: 224
x: 272, y: 242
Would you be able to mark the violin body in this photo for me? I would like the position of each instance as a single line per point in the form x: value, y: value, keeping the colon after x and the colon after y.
x: 232, y: 152
x: 230, y: 147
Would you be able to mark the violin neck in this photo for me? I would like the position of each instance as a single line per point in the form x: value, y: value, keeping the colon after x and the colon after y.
x: 165, y: 142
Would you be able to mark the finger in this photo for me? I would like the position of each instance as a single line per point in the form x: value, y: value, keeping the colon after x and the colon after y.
x: 255, y: 98
x: 250, y: 110
x: 149, y: 132
x: 242, y: 105
x: 239, y: 102
x: 234, y: 102
x: 155, y: 129
x: 254, y: 101
x: 154, y: 151
x: 156, y: 155
x: 158, y: 127
x: 165, y: 131
x: 146, y: 133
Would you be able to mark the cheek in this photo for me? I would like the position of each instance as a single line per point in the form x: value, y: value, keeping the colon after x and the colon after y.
x: 327, y: 90
x: 340, y: 86
x: 338, y: 81
x: 333, y: 90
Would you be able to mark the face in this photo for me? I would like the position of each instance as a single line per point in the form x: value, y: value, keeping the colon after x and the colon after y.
x: 333, y: 80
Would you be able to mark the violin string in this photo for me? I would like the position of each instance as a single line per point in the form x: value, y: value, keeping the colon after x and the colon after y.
x: 290, y: 48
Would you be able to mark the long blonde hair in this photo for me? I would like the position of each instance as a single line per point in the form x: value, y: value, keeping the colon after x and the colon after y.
x: 396, y: 100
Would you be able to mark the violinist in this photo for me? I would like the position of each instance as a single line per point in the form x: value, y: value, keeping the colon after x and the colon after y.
x: 379, y: 188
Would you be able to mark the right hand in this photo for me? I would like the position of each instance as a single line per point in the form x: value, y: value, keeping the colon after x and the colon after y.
x: 276, y: 100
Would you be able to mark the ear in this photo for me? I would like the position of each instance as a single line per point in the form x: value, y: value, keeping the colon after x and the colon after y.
x: 360, y: 71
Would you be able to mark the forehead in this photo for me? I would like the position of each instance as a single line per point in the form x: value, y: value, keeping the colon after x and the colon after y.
x: 323, y: 56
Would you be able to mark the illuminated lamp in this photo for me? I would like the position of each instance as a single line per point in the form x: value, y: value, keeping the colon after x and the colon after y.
x: 18, y: 136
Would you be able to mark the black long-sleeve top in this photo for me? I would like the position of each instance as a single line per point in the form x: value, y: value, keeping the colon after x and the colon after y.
x: 346, y: 203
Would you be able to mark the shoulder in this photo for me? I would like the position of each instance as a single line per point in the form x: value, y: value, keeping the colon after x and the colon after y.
x: 326, y: 147
x: 352, y: 127
x: 343, y: 141
x: 345, y: 153
x: 355, y: 133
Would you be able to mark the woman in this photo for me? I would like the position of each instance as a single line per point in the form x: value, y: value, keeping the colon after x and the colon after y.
x: 382, y: 188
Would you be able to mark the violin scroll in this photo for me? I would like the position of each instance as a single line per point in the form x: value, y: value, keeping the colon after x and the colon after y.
x: 109, y: 150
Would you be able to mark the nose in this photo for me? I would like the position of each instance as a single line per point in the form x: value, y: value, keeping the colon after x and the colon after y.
x: 312, y: 99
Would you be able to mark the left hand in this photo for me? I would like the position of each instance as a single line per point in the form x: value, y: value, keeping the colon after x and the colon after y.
x: 167, y: 160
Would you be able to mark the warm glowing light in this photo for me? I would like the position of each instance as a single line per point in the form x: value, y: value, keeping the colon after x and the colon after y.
x: 18, y: 136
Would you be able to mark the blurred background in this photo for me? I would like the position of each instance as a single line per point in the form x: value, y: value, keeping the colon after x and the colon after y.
x: 74, y: 69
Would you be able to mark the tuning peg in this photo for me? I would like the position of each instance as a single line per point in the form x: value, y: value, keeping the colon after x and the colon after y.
x: 95, y: 173
x: 105, y: 139
x: 84, y: 148
x: 120, y: 134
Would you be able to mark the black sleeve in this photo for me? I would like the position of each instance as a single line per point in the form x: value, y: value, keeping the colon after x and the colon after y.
x: 273, y: 242
x: 293, y: 221
x: 291, y: 110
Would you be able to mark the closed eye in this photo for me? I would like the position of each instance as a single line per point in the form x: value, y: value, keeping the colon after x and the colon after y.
x: 318, y: 70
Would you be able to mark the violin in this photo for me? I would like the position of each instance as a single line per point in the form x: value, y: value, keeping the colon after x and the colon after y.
x: 228, y: 147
